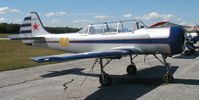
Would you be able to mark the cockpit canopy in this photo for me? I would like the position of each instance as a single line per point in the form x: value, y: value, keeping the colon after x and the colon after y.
x: 113, y: 27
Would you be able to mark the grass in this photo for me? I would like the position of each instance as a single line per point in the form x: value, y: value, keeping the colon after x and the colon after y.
x: 3, y: 35
x: 15, y: 55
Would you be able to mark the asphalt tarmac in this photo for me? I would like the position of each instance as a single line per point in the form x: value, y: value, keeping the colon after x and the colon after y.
x: 64, y: 81
x: 4, y: 38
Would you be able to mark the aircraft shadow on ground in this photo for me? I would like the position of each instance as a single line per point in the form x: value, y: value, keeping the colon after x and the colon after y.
x: 192, y: 56
x: 186, y: 81
x: 127, y: 87
x: 75, y: 71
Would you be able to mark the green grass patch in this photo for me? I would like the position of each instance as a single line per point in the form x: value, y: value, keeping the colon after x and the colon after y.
x: 4, y: 35
x: 15, y: 55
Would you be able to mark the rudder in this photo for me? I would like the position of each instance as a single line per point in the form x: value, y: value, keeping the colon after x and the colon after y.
x: 32, y: 25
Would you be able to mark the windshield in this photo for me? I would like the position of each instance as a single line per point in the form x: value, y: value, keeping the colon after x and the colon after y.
x: 83, y: 30
x: 113, y: 27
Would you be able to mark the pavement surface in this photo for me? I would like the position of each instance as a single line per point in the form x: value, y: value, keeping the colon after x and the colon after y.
x: 4, y: 38
x: 63, y: 81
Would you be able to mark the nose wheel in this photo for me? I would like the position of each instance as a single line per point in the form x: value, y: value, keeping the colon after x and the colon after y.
x: 168, y: 77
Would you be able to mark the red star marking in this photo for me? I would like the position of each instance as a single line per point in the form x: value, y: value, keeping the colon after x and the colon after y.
x: 35, y: 26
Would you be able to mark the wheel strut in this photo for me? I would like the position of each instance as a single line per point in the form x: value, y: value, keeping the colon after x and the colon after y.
x: 168, y: 77
x: 104, y: 78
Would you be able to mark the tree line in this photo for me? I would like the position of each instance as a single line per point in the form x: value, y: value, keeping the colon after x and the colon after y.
x: 14, y: 28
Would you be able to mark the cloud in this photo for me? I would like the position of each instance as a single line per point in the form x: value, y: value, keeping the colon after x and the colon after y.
x: 151, y: 16
x: 183, y: 23
x: 102, y: 17
x: 1, y: 13
x: 82, y: 21
x: 4, y: 10
x: 61, y: 13
x: 2, y: 19
x: 56, y: 21
x: 84, y: 14
x: 187, y: 23
x: 18, y: 20
x: 15, y: 10
x: 154, y: 17
x: 128, y: 16
x: 157, y: 16
x: 50, y: 14
x: 170, y: 17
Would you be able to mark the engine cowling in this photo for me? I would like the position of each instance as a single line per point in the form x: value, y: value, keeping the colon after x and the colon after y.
x: 177, y: 39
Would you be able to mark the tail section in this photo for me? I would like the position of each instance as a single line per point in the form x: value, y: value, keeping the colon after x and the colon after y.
x: 31, y: 30
x: 32, y: 25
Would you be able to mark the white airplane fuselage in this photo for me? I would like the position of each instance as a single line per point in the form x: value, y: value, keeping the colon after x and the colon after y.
x: 105, y: 36
x: 155, y: 41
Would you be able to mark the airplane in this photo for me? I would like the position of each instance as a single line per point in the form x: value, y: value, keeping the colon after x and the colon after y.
x: 192, y: 35
x: 105, y: 42
x: 192, y: 28
x: 167, y: 24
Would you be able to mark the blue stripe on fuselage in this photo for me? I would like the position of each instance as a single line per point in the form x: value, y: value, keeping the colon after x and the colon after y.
x: 125, y: 41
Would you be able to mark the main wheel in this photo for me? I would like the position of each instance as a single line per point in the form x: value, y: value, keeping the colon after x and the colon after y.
x: 193, y: 51
x: 131, y: 69
x: 187, y: 52
x: 168, y: 78
x: 105, y: 79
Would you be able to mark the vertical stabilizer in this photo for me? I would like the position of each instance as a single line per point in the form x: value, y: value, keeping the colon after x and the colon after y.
x: 32, y: 25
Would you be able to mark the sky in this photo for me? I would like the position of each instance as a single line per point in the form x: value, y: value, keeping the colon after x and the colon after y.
x: 78, y: 13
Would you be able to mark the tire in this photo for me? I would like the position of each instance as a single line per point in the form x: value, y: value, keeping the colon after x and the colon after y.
x: 187, y: 53
x: 106, y: 81
x: 131, y: 69
x: 168, y: 78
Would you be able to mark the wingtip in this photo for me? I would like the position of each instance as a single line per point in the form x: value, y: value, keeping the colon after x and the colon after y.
x: 13, y: 37
x: 36, y: 60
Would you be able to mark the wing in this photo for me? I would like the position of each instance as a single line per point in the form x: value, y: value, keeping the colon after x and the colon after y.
x: 102, y: 54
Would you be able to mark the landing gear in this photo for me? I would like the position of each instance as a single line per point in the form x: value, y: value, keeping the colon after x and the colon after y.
x: 191, y: 48
x: 131, y: 69
x: 168, y: 77
x: 104, y: 78
x: 189, y: 52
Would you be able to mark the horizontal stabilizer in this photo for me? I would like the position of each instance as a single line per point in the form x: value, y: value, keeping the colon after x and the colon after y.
x: 22, y: 37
